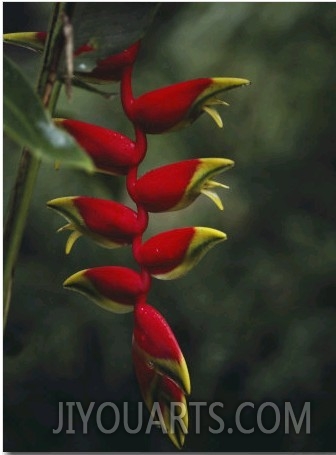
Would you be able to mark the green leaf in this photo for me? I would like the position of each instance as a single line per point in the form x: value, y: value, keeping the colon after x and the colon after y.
x: 111, y: 27
x: 28, y: 123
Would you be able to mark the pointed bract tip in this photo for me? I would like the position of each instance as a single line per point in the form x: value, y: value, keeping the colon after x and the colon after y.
x: 226, y: 83
x: 60, y: 202
x: 205, y: 234
x: 216, y: 165
x: 29, y: 40
x: 59, y: 121
x: 208, y: 168
x: 75, y: 281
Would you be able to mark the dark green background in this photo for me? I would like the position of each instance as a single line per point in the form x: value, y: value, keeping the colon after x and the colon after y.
x: 256, y: 318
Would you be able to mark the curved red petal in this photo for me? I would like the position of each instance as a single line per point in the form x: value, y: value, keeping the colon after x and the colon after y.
x: 163, y: 188
x: 162, y: 109
x: 84, y: 49
x: 110, y: 151
x: 165, y: 251
x: 111, y: 68
x: 109, y: 219
x: 116, y: 283
x: 153, y: 335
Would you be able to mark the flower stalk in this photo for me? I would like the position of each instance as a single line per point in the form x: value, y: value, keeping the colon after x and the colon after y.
x: 48, y: 89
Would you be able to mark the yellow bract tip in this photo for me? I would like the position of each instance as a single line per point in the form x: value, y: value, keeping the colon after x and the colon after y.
x: 76, y: 280
x: 58, y: 121
x: 227, y: 83
x: 206, y: 236
x: 61, y: 203
x: 25, y: 39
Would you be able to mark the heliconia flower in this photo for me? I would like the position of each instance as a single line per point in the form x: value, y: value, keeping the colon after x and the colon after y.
x: 179, y: 105
x: 172, y: 254
x: 108, y: 223
x: 160, y: 367
x: 110, y: 69
x: 175, y: 186
x: 30, y: 40
x: 110, y: 151
x: 113, y: 288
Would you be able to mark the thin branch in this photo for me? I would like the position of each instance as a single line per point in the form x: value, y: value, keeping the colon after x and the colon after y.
x: 48, y: 88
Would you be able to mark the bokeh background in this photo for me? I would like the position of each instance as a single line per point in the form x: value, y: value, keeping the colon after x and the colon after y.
x: 256, y: 318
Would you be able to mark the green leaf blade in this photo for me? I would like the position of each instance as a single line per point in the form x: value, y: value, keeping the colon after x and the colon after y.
x: 30, y: 125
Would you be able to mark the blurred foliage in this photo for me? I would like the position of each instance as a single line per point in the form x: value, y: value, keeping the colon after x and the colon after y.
x: 35, y: 129
x: 256, y: 319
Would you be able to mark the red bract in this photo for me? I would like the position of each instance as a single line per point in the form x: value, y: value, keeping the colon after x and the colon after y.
x: 157, y: 388
x: 84, y: 49
x: 179, y: 105
x: 110, y: 69
x: 162, y: 189
x: 153, y: 335
x: 173, y: 253
x: 175, y: 186
x: 111, y: 152
x: 160, y: 367
x: 162, y: 109
x: 155, y: 345
x: 116, y: 289
x: 107, y: 222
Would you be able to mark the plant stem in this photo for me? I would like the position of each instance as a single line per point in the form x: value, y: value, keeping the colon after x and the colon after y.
x: 48, y: 88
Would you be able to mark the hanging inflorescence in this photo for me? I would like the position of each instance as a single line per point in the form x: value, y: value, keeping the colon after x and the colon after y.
x: 159, y: 364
